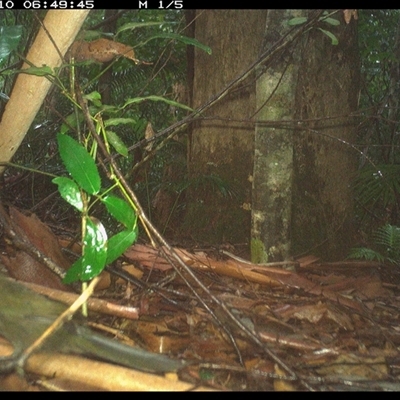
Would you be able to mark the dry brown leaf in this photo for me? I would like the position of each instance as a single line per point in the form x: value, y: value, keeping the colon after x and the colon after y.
x: 348, y: 14
x: 101, y: 50
x: 281, y: 385
x: 37, y: 235
x: 351, y: 366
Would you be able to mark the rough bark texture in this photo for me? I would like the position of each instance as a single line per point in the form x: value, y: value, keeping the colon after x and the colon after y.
x: 273, y: 156
x: 223, y: 147
x: 327, y: 92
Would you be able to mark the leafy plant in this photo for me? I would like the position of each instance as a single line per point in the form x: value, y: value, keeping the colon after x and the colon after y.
x: 139, y: 94
x: 325, y: 18
x: 97, y: 250
x: 386, y: 246
x: 9, y: 39
x: 378, y: 183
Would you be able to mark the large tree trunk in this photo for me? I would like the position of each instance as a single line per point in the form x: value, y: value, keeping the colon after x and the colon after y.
x: 302, y: 200
x: 221, y: 148
x: 327, y: 93
x: 273, y: 157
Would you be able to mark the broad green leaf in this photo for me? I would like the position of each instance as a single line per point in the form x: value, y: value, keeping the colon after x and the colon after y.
x: 95, y: 98
x: 95, y: 250
x: 74, y: 272
x: 38, y: 71
x: 95, y: 95
x: 331, y: 21
x: 297, y: 21
x: 69, y: 191
x: 9, y: 39
x: 183, y: 39
x: 94, y: 258
x: 118, y: 121
x: 120, y: 210
x: 90, y: 35
x: 117, y: 143
x: 118, y: 243
x: 134, y: 25
x: 156, y: 98
x: 333, y: 38
x: 79, y: 164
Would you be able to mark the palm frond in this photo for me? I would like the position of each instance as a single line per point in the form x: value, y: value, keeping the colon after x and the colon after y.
x: 380, y: 182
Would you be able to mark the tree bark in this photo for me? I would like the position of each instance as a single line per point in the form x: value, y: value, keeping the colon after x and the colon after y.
x: 324, y: 164
x: 273, y: 158
x: 221, y: 146
x: 302, y: 199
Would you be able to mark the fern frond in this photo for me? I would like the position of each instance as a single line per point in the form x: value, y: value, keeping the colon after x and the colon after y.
x: 388, y: 237
x: 366, y: 254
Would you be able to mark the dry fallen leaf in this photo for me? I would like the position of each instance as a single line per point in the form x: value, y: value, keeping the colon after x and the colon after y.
x: 101, y: 50
x: 348, y: 14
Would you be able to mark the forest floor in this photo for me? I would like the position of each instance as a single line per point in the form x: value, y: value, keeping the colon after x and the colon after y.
x: 305, y: 325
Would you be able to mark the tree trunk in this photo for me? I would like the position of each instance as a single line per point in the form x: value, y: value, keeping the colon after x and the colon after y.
x: 221, y: 147
x: 324, y: 165
x: 302, y: 200
x: 273, y: 159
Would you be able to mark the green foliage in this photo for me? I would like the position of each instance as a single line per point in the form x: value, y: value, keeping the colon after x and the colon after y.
x: 119, y: 124
x: 9, y: 40
x: 325, y: 19
x: 79, y: 164
x: 386, y: 246
x: 120, y: 210
x: 366, y: 254
x: 70, y: 192
x: 378, y: 184
x: 183, y: 39
x: 97, y: 250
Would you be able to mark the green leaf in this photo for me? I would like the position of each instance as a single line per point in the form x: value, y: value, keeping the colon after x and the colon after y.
x: 331, y: 21
x: 38, y: 71
x: 79, y: 164
x: 333, y: 38
x: 134, y: 25
x: 95, y: 98
x: 94, y: 256
x: 183, y: 39
x: 378, y: 185
x: 74, y: 272
x: 120, y: 210
x: 69, y: 191
x: 156, y: 98
x: 9, y: 39
x: 117, y: 143
x: 95, y: 250
x: 366, y: 254
x: 118, y: 121
x: 118, y: 243
x: 297, y: 21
